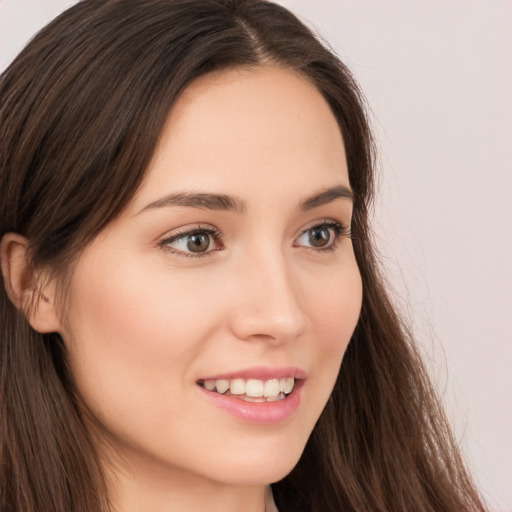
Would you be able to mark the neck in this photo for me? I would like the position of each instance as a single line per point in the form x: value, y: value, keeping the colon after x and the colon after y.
x: 163, y: 489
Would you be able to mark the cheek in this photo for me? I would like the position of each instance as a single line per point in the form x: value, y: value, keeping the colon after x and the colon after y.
x: 335, y: 310
x: 129, y: 331
x: 334, y: 314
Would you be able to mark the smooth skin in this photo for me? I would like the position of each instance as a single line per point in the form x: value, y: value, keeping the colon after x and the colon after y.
x: 150, y: 310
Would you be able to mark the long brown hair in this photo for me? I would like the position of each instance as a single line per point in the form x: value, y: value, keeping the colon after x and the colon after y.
x: 81, y: 111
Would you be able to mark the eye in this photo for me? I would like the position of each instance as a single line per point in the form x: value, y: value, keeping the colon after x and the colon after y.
x: 193, y: 242
x: 324, y: 236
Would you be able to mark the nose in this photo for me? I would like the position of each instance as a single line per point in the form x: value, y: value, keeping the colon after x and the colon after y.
x: 267, y: 303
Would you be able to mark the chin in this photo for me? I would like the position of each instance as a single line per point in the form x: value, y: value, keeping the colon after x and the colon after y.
x: 262, y: 467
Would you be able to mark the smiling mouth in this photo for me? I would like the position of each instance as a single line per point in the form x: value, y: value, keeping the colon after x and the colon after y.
x: 251, y: 390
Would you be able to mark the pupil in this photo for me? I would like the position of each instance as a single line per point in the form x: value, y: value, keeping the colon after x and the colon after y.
x: 198, y: 243
x: 319, y: 237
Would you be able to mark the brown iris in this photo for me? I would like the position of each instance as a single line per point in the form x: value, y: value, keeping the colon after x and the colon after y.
x: 198, y: 242
x: 319, y: 237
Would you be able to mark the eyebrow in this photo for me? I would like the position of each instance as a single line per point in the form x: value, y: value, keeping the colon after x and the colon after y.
x: 326, y: 196
x: 224, y: 202
x: 199, y: 200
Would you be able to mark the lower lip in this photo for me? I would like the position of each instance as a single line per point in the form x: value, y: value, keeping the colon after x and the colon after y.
x: 263, y: 413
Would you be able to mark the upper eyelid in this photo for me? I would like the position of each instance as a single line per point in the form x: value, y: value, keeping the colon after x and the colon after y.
x: 186, y: 230
x: 325, y: 222
x: 165, y: 241
x: 341, y: 230
x: 208, y: 228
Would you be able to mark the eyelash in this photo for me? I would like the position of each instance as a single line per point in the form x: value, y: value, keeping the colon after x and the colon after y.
x: 208, y: 230
x: 339, y: 231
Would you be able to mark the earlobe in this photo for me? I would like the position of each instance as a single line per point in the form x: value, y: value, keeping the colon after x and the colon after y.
x: 28, y: 290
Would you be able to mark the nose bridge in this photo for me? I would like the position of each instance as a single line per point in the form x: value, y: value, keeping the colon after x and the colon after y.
x: 268, y: 303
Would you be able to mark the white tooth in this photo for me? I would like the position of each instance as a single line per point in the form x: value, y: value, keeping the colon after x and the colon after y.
x: 222, y: 385
x: 258, y: 399
x: 282, y: 384
x: 254, y: 388
x: 289, y: 385
x: 272, y: 388
x: 237, y: 386
x: 209, y: 385
x: 275, y: 398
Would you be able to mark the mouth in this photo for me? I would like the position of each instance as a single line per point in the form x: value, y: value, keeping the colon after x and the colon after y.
x: 258, y: 395
x: 251, y: 390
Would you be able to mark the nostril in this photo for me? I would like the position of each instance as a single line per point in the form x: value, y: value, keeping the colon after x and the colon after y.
x: 260, y: 324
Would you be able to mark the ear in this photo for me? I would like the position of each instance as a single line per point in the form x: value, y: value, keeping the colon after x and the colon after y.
x: 31, y: 292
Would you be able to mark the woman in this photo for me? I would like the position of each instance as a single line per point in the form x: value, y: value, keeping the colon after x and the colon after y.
x: 192, y: 307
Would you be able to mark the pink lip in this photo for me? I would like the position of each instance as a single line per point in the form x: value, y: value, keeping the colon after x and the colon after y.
x: 263, y: 413
x: 261, y: 373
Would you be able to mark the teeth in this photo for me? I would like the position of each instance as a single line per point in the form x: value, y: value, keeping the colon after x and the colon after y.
x: 248, y: 398
x: 253, y: 389
x: 221, y: 385
x: 272, y: 388
x: 288, y: 386
x: 209, y: 385
x: 237, y: 386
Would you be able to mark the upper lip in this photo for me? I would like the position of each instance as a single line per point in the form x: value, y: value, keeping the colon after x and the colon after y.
x: 260, y: 373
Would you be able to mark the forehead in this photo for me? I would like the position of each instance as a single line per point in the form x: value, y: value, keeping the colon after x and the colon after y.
x: 247, y: 130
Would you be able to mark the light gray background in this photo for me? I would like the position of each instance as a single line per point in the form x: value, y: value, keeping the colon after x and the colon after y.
x: 438, y: 76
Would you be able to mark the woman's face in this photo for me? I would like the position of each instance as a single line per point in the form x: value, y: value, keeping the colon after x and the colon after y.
x: 232, y: 266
